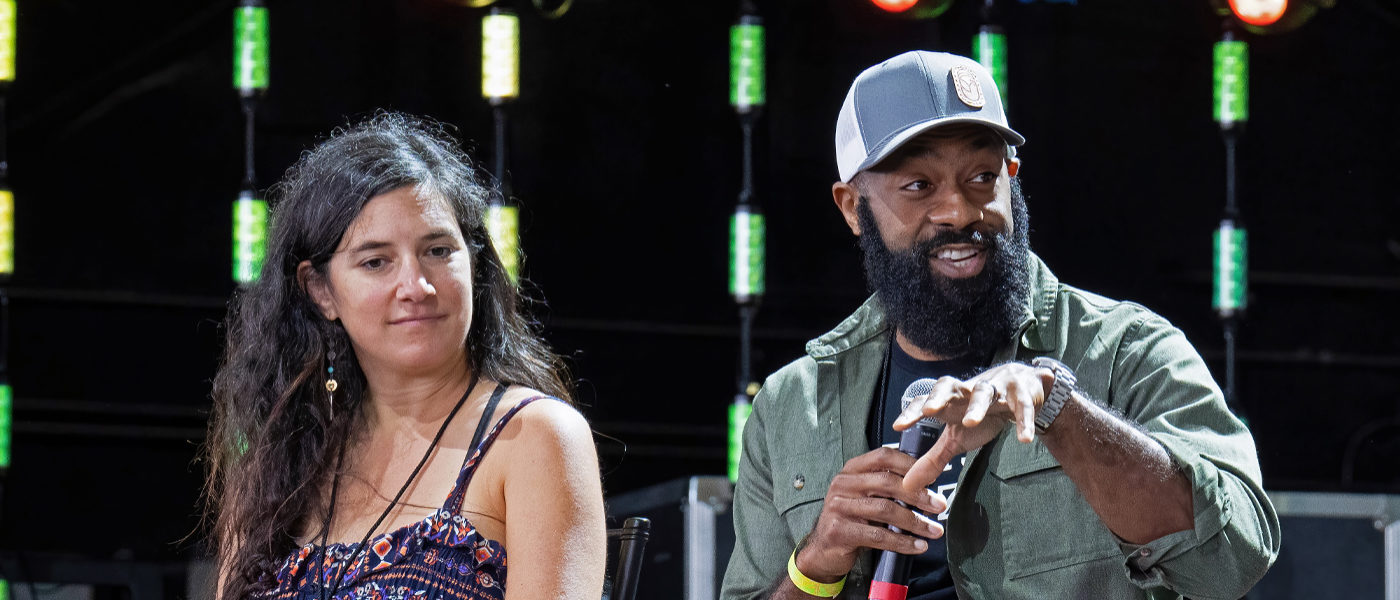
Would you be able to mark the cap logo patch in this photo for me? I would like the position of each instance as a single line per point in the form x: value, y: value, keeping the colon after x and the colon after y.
x: 968, y: 88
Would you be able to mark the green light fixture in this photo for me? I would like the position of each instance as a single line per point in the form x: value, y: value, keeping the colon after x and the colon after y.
x: 746, y: 248
x: 503, y: 223
x: 7, y: 40
x: 249, y: 237
x: 989, y: 49
x: 1231, y: 98
x: 746, y: 64
x: 6, y: 420
x: 7, y: 232
x: 250, y: 48
x: 1230, y: 281
x: 500, y: 56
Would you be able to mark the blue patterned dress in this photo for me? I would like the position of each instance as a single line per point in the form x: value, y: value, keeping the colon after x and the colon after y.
x: 442, y: 557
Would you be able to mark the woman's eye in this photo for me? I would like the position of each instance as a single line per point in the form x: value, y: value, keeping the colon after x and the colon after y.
x: 440, y: 251
x: 373, y: 264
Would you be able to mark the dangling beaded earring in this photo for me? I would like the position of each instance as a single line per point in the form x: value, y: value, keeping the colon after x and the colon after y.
x: 330, y: 381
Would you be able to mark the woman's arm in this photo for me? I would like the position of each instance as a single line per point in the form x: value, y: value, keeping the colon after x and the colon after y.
x: 556, y: 537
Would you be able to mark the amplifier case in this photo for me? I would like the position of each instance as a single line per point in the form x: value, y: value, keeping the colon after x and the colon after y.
x: 692, y: 535
x: 1335, y: 545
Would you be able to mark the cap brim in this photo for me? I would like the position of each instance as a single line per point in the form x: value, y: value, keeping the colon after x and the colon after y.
x: 894, y: 142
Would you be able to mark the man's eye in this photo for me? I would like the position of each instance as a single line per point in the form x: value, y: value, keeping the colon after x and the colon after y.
x: 915, y: 186
x: 985, y: 177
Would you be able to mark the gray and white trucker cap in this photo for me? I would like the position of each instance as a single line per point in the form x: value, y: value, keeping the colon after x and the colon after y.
x: 896, y: 100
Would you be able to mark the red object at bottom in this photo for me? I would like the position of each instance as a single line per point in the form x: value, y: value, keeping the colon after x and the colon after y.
x: 880, y: 590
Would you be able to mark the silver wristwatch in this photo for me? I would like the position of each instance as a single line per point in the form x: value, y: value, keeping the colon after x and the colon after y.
x: 1059, y: 392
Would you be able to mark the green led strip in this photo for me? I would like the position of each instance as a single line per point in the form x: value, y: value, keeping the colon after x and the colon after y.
x: 500, y: 56
x: 250, y: 48
x: 503, y: 223
x: 746, y: 78
x: 739, y: 413
x: 1231, y: 268
x: 7, y: 40
x: 6, y: 420
x: 7, y: 232
x: 746, y: 247
x: 249, y: 237
x: 989, y: 49
x: 1231, y: 82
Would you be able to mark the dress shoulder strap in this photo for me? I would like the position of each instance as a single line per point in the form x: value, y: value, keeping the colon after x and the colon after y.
x: 479, y: 448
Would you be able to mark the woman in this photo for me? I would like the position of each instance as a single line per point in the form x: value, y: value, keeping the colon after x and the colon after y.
x: 383, y: 426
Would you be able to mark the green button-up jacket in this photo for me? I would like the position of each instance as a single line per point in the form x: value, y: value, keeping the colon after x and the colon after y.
x: 1018, y: 527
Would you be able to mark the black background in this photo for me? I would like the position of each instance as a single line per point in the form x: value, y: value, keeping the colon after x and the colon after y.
x: 125, y: 146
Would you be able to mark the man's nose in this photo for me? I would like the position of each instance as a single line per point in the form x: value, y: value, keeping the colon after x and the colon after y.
x: 955, y: 210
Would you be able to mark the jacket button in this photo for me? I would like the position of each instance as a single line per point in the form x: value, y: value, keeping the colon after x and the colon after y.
x: 798, y: 482
x: 1145, y: 552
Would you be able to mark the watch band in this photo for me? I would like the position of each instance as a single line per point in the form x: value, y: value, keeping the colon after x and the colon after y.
x: 1060, y: 392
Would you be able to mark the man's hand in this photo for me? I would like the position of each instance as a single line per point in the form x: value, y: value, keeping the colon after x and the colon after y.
x: 859, y: 504
x: 975, y: 412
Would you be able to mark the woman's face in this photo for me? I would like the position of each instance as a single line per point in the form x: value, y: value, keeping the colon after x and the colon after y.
x: 401, y: 284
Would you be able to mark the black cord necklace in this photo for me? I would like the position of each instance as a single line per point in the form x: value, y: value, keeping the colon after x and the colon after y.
x: 335, y: 488
x: 877, y: 429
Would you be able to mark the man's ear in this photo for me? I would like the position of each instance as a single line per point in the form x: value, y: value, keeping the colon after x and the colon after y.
x: 847, y: 198
x: 315, y: 286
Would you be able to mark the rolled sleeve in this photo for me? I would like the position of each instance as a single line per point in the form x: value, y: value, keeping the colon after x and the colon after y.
x: 1235, y: 538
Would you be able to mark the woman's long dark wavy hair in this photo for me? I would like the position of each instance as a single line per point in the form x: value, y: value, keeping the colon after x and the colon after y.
x: 272, y: 440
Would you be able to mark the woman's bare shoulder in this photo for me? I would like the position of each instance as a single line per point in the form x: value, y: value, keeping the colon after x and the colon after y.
x: 546, y: 417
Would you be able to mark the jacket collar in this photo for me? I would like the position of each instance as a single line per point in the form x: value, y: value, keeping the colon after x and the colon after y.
x: 1037, y: 332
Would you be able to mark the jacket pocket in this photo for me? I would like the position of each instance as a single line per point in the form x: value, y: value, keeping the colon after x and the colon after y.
x: 799, y: 486
x: 1047, y: 524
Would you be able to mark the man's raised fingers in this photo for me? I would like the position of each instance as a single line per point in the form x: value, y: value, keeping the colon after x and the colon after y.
x: 983, y: 394
x: 929, y: 466
x: 1022, y: 407
x: 944, y: 391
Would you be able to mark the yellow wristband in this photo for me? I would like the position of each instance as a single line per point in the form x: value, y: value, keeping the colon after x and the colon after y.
x: 810, y: 587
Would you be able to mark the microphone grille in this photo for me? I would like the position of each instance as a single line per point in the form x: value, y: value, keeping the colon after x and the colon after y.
x: 920, y: 387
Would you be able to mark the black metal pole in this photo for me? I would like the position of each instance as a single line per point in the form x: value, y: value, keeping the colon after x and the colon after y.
x: 498, y: 112
x: 1231, y: 319
x: 746, y: 318
x: 249, y: 112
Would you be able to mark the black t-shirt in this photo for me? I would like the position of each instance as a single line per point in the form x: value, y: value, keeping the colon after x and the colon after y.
x: 929, y: 578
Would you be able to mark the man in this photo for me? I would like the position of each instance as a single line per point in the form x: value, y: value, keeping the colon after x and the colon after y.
x: 1087, y: 452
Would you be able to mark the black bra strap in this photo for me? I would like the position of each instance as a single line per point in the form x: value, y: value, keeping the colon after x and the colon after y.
x: 486, y: 416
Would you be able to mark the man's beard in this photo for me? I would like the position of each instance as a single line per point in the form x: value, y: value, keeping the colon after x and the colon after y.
x: 949, y: 317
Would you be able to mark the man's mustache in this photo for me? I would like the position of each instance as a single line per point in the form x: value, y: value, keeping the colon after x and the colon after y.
x: 973, y: 237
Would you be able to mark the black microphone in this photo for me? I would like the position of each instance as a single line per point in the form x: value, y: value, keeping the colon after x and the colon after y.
x: 891, y: 580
